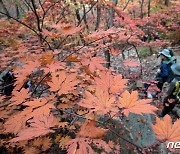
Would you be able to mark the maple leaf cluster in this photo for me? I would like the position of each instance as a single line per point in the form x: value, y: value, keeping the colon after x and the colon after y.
x: 71, y: 87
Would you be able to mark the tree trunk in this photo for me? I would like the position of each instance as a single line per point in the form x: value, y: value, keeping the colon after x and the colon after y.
x: 108, y: 58
x: 142, y: 3
x: 109, y: 25
x: 98, y: 16
x: 84, y: 17
x: 149, y: 7
x: 17, y: 12
x: 166, y: 2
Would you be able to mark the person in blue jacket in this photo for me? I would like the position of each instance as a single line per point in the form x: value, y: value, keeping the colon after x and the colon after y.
x: 164, y: 73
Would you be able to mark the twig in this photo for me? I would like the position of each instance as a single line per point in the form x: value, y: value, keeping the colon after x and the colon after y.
x: 40, y: 83
x: 126, y: 5
x: 41, y: 5
x: 28, y: 5
x: 37, y: 18
x: 44, y: 14
x: 86, y: 13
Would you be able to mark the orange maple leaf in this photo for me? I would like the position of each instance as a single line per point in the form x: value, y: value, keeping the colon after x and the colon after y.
x: 100, y: 34
x: 88, y: 129
x: 166, y: 131
x: 39, y: 126
x: 115, y: 52
x: 17, y: 122
x: 54, y: 66
x: 63, y: 83
x: 101, y: 102
x: 30, y: 66
x: 111, y: 83
x: 50, y: 33
x: 79, y: 146
x: 20, y: 97
x: 67, y: 29
x: 35, y: 108
x: 130, y: 103
x: 36, y: 103
x: 47, y: 58
x: 94, y: 63
x: 82, y: 146
x: 131, y: 63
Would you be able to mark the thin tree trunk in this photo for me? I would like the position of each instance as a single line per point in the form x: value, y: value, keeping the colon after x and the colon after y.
x: 85, y: 19
x: 166, y: 2
x: 110, y: 24
x: 79, y: 21
x: 108, y: 58
x: 17, y: 12
x: 126, y: 5
x: 98, y: 16
x: 142, y: 3
x: 149, y: 7
x: 5, y: 9
x: 36, y: 14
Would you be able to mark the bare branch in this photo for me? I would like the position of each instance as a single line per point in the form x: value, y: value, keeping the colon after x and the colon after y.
x: 37, y: 17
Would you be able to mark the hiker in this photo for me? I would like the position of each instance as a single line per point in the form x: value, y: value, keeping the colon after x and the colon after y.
x: 164, y: 74
x: 173, y: 94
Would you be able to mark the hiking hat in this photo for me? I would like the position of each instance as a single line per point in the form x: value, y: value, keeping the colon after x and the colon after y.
x: 176, y: 69
x: 166, y: 53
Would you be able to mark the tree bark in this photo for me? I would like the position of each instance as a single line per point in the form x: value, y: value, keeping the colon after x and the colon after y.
x: 109, y: 25
x: 85, y: 19
x: 142, y: 3
x: 166, y: 2
x: 17, y: 12
x: 149, y: 7
x: 98, y: 16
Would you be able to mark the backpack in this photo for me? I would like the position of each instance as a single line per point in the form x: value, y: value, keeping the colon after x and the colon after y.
x: 176, y: 92
x: 170, y: 77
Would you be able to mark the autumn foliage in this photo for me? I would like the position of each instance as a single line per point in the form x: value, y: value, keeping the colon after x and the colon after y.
x: 72, y: 88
